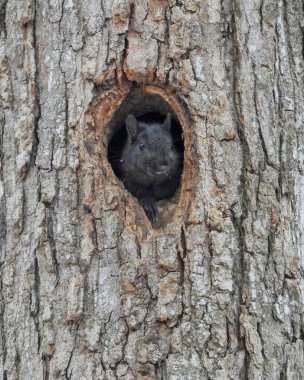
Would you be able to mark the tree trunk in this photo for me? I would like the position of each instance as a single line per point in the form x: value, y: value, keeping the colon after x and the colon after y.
x: 89, y: 289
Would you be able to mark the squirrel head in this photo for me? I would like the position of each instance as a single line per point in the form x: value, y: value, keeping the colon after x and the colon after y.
x: 150, y: 149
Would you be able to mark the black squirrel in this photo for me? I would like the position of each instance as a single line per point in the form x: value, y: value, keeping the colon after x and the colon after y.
x: 150, y: 163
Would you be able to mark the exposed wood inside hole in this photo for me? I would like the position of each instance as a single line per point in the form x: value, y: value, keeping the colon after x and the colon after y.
x: 146, y: 101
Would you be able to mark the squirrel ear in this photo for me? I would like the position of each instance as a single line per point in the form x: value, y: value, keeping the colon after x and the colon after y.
x: 167, y: 122
x: 131, y: 124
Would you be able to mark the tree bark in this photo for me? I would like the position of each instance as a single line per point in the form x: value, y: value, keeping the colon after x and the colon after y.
x: 89, y: 289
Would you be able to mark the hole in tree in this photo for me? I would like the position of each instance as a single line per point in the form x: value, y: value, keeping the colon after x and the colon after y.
x: 146, y: 152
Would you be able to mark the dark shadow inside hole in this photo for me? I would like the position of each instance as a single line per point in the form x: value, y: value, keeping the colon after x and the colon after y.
x: 148, y: 109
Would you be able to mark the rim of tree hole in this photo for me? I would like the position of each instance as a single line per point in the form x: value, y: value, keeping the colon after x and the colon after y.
x: 109, y: 114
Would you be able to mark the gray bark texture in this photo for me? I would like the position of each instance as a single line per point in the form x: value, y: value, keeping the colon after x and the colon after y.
x: 89, y: 289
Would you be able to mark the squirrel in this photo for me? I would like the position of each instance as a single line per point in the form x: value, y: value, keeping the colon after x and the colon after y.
x: 150, y: 163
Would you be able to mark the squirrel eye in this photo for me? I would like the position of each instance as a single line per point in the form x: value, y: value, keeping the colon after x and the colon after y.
x: 142, y: 146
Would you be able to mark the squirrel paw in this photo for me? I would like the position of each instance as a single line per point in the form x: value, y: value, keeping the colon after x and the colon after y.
x: 148, y: 205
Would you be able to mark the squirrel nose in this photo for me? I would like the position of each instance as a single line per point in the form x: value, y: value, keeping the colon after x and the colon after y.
x: 164, y: 165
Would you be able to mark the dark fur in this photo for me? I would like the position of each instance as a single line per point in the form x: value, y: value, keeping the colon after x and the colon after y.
x: 152, y: 173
